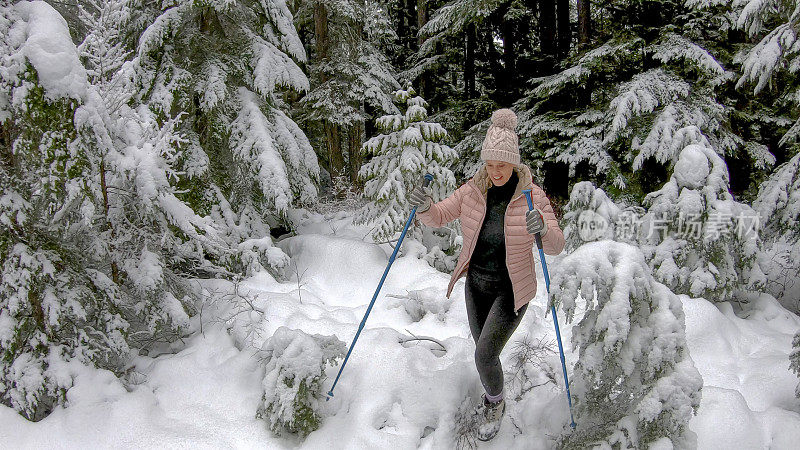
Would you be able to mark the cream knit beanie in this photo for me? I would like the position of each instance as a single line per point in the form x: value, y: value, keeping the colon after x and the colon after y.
x: 501, y: 143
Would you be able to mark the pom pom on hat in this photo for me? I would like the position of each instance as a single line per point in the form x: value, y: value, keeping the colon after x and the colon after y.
x: 505, y: 118
x: 501, y: 142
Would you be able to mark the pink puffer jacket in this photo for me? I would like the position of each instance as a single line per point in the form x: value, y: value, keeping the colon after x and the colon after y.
x: 468, y: 203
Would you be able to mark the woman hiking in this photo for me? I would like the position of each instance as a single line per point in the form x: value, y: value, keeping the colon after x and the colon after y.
x: 497, y: 253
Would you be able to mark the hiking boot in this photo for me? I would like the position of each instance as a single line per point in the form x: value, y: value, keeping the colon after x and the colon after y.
x: 489, y: 417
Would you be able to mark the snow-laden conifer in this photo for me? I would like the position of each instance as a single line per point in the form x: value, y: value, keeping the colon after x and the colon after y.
x: 151, y: 237
x: 776, y: 54
x: 778, y: 200
x: 631, y: 122
x: 97, y: 242
x: 58, y: 304
x: 778, y: 206
x: 220, y: 67
x: 590, y: 215
x: 356, y: 70
x: 452, y: 18
x: 407, y: 148
x: 704, y: 242
x: 634, y: 383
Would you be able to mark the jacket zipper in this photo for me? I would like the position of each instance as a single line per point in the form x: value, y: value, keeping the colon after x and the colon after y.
x: 505, y: 242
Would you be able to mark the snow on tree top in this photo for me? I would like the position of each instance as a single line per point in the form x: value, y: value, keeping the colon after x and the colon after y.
x: 49, y: 48
x: 692, y: 167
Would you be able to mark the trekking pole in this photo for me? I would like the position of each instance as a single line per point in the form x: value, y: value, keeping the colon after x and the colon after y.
x: 425, y: 183
x: 527, y: 193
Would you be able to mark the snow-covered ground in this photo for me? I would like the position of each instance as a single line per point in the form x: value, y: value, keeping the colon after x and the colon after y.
x: 394, y: 395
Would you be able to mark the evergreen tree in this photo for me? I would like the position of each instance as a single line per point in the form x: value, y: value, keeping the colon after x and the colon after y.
x: 222, y: 67
x: 293, y: 377
x: 706, y: 243
x: 696, y: 238
x: 591, y: 215
x: 778, y: 204
x: 97, y: 244
x: 775, y: 59
x: 480, y: 56
x: 350, y: 76
x: 408, y: 147
x: 761, y: 120
x: 56, y: 307
x: 654, y: 81
x: 634, y: 383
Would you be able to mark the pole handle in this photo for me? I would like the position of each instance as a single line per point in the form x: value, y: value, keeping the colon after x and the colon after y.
x: 537, y: 236
x: 527, y: 193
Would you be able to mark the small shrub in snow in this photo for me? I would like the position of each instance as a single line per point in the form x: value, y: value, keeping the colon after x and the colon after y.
x: 295, y: 370
x: 341, y: 196
x: 634, y: 382
x: 465, y: 425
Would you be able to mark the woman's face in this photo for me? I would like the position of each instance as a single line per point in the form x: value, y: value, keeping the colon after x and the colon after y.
x: 499, y: 171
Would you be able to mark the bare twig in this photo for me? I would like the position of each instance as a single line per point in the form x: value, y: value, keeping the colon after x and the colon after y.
x: 530, y: 353
x: 404, y: 339
x: 299, y: 279
x: 465, y: 426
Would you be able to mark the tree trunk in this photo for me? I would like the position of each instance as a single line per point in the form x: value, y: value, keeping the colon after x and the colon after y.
x: 405, y: 18
x: 584, y: 22
x: 332, y: 144
x: 494, y: 69
x: 469, y: 62
x: 547, y: 29
x: 422, y: 19
x: 334, y: 147
x: 564, y: 28
x: 104, y: 188
x: 6, y: 154
x: 509, y: 56
x: 355, y: 141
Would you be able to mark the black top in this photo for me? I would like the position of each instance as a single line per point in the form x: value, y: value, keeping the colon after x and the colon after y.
x: 490, y: 250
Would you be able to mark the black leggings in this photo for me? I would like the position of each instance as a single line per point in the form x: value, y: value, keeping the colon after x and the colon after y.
x: 490, y: 310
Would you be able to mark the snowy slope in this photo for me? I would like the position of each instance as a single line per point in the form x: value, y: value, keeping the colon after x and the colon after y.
x: 391, y: 395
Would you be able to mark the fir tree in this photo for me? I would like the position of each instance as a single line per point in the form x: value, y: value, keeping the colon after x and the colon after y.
x: 293, y: 377
x: 408, y: 147
x: 778, y: 205
x: 222, y: 66
x: 96, y: 243
x: 704, y: 242
x: 634, y: 382
x: 350, y: 76
x: 591, y: 215
x: 58, y: 305
x: 153, y: 239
